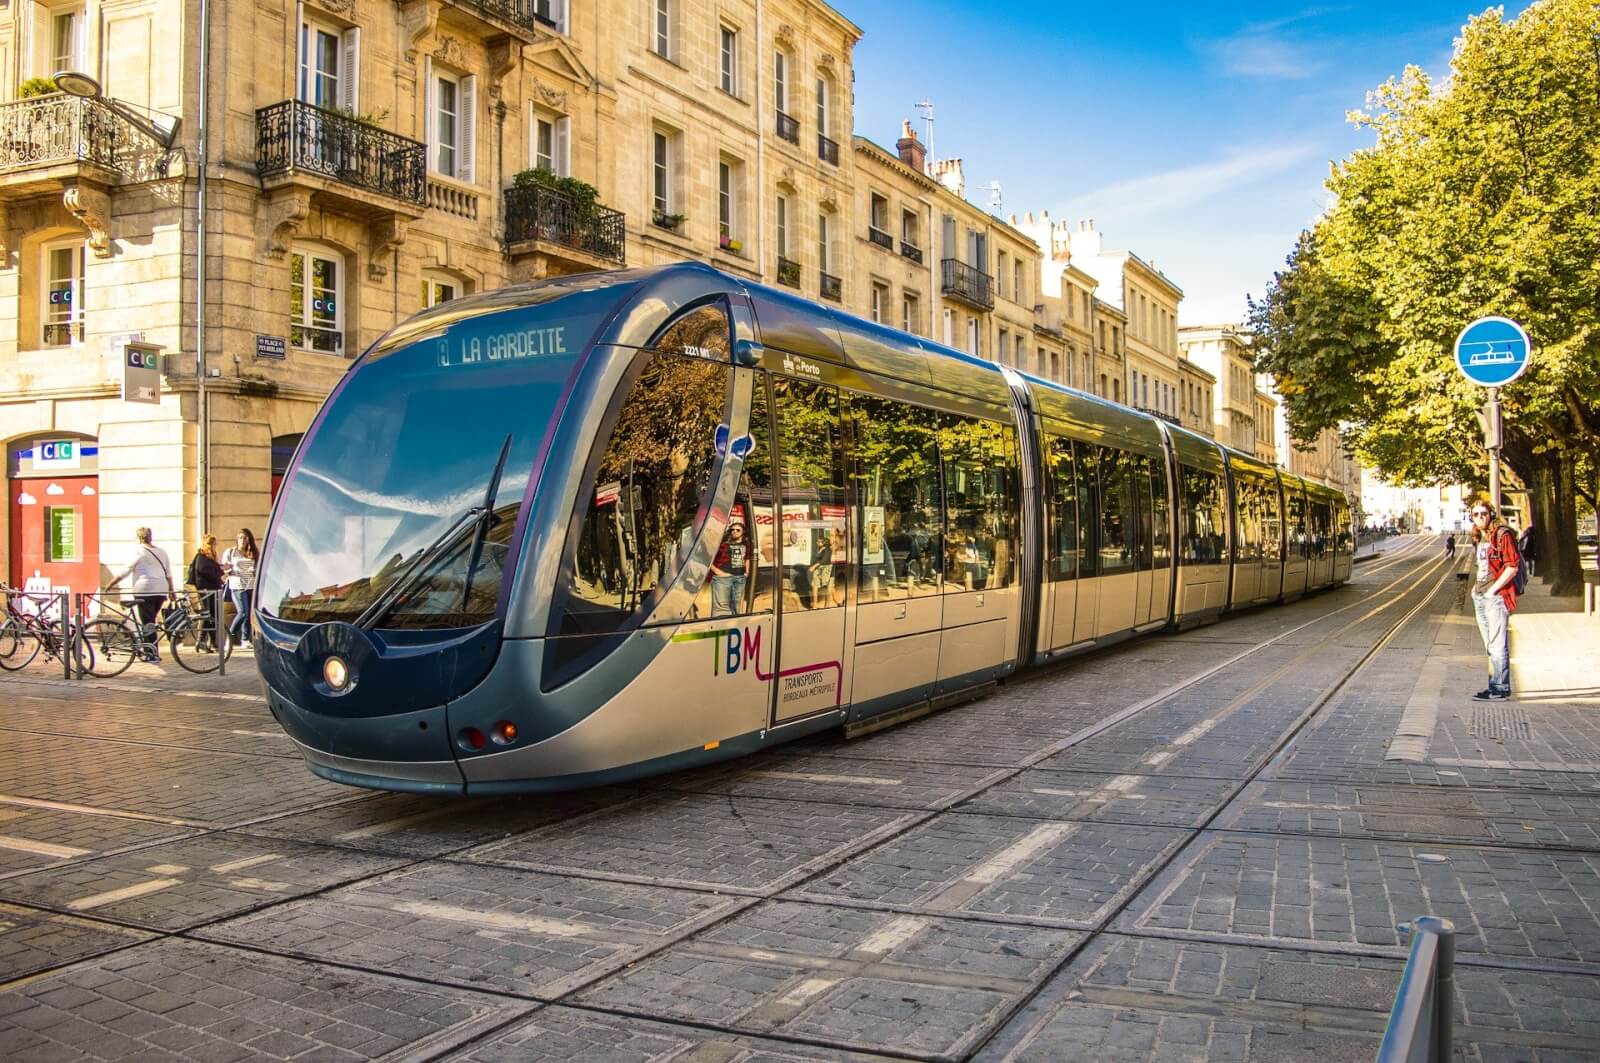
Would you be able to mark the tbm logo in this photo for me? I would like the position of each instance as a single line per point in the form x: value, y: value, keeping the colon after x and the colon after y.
x: 733, y: 650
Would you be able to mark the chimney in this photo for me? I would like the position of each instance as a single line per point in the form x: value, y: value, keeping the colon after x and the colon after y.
x: 948, y: 173
x: 910, y: 148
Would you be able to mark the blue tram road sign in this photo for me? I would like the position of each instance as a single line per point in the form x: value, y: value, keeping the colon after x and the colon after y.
x: 1492, y: 351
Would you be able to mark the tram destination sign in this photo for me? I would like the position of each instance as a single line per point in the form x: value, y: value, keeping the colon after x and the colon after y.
x: 1492, y: 351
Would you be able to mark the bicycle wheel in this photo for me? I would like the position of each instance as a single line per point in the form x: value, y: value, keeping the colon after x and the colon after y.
x: 184, y: 637
x: 112, y: 647
x: 24, y: 644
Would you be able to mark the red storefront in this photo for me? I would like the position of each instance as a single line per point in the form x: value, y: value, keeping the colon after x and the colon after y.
x: 53, y: 488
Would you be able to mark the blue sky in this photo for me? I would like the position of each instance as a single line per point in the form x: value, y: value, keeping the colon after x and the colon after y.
x: 1195, y: 135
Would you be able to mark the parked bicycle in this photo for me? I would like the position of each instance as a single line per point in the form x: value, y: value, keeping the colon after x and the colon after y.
x: 188, y: 624
x: 33, y: 625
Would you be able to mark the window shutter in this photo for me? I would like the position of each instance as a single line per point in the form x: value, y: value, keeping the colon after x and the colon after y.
x: 430, y: 113
x: 350, y: 76
x: 563, y: 147
x: 468, y: 125
x: 558, y: 14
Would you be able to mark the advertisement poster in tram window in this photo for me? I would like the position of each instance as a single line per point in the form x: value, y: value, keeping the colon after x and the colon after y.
x: 872, y: 535
x: 797, y: 525
x: 833, y: 519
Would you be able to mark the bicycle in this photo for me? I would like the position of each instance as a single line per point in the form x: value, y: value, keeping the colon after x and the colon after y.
x: 116, y: 641
x: 28, y: 632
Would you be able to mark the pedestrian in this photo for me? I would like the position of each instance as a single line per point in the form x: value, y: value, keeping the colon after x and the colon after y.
x: 151, y: 576
x: 1450, y: 547
x: 1528, y: 547
x: 206, y: 576
x: 239, y: 562
x: 1494, y: 596
x: 730, y: 569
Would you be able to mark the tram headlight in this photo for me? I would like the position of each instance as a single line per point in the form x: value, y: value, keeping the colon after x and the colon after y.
x: 336, y: 674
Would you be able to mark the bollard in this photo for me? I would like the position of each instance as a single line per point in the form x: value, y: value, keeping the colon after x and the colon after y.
x: 1421, y: 1024
x: 65, y: 645
x: 222, y: 637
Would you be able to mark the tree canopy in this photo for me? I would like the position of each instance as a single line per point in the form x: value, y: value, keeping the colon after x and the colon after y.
x: 1480, y: 195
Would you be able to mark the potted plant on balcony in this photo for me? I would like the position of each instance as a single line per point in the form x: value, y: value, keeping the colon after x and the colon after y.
x: 343, y: 143
x: 728, y: 243
x: 36, y: 87
x: 665, y: 220
x: 575, y: 212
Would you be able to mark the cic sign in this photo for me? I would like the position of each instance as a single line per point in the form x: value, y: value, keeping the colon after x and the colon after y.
x: 141, y: 373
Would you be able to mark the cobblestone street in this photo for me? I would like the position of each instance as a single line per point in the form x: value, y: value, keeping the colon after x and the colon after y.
x: 1192, y: 846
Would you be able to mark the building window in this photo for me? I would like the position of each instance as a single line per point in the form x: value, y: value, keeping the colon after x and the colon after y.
x: 439, y: 288
x: 552, y: 143
x: 316, y: 301
x: 910, y: 314
x: 552, y: 13
x: 1003, y: 346
x: 783, y: 227
x: 880, y: 298
x: 1055, y: 364
x: 908, y: 228
x: 949, y: 327
x: 64, y: 32
x: 824, y: 260
x: 780, y: 82
x: 663, y: 34
x: 1017, y: 291
x: 730, y: 61
x: 1000, y: 274
x: 972, y: 338
x: 62, y: 316
x: 329, y: 66
x: 663, y: 172
x: 730, y: 175
x: 453, y: 117
x: 824, y: 102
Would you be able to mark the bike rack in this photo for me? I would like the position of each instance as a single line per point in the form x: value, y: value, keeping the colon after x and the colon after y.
x: 1420, y: 1026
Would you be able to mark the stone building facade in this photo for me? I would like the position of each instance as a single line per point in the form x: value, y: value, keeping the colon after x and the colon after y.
x: 1195, y: 388
x: 1223, y: 352
x: 1266, y: 424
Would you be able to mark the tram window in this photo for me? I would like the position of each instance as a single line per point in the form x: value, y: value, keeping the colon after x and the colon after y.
x: 1341, y: 516
x: 1139, y: 472
x: 1119, y: 512
x: 980, y: 490
x: 652, y: 478
x: 1295, y: 520
x: 1204, y: 520
x: 1247, y: 519
x: 704, y: 332
x: 1088, y: 510
x: 1063, y: 562
x: 1162, y: 539
x: 895, y: 468
x: 1271, y: 522
x: 813, y: 540
x: 740, y: 551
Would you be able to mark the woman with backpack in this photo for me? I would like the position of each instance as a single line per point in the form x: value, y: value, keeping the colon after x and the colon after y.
x: 1494, y: 595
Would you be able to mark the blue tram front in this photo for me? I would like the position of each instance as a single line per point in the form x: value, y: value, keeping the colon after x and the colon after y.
x: 611, y: 524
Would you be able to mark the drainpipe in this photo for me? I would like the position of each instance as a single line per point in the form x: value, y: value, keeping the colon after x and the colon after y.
x: 761, y: 153
x: 202, y: 398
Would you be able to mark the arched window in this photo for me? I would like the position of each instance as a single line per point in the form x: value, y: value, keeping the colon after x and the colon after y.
x: 440, y: 287
x: 61, y: 296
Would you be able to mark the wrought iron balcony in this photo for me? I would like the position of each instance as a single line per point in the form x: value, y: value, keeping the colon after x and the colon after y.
x: 522, y: 18
x: 297, y: 137
x: 788, y: 128
x: 967, y: 284
x: 537, y: 213
x: 827, y: 150
x: 881, y: 238
x: 55, y: 130
x: 832, y: 288
x: 788, y: 272
x: 911, y: 251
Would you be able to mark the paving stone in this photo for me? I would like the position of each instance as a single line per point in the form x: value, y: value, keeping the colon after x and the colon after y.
x: 562, y: 1034
x: 32, y: 941
x: 415, y: 825
x: 32, y: 837
x: 200, y: 727
x: 816, y: 776
x: 848, y: 977
x: 481, y: 927
x: 268, y: 1008
x: 1357, y: 891
x: 702, y: 840
x: 177, y: 885
x: 1066, y: 874
x: 1154, y: 800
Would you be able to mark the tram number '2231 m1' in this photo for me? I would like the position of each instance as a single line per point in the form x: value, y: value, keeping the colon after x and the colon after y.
x: 523, y: 519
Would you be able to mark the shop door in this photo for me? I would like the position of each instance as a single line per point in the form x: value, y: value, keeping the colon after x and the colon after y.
x: 812, y: 549
x: 55, y: 531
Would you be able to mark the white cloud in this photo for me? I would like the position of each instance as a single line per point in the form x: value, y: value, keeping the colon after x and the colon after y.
x: 1265, y: 50
x: 87, y: 490
x: 26, y: 499
x: 55, y: 489
x: 1187, y: 185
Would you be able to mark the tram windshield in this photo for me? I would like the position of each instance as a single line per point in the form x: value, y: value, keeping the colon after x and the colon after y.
x: 381, y: 522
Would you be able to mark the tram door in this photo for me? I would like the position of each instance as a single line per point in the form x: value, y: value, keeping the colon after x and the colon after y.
x: 1139, y: 472
x: 811, y: 549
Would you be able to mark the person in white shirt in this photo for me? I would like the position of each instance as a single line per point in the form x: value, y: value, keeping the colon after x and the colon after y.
x: 239, y: 562
x: 151, y: 578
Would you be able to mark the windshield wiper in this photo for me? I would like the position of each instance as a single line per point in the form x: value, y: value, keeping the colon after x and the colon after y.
x: 408, y: 579
x: 484, y: 521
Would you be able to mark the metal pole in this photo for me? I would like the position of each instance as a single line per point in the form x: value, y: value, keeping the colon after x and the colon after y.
x: 1444, y: 991
x: 203, y: 411
x: 1494, y: 448
x: 219, y: 638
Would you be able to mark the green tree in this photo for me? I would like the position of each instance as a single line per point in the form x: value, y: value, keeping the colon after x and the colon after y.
x: 1480, y: 195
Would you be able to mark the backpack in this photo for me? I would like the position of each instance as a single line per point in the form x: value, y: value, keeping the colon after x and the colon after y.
x: 1519, y: 582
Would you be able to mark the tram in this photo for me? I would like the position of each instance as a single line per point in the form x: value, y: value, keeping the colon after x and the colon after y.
x: 614, y: 524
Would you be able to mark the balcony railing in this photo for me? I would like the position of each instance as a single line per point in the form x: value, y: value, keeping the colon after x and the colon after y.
x: 297, y: 136
x: 911, y: 251
x: 535, y: 213
x: 55, y: 129
x: 827, y: 150
x: 525, y: 15
x: 881, y: 238
x: 788, y: 272
x: 968, y: 284
x: 788, y: 128
x: 832, y: 287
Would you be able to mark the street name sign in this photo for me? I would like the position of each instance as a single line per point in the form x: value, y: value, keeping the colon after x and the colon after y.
x: 1492, y: 351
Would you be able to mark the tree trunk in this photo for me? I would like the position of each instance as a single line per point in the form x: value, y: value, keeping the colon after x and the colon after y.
x: 1558, y: 527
